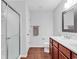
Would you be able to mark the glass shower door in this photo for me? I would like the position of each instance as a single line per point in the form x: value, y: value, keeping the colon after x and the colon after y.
x: 3, y: 31
x: 12, y: 34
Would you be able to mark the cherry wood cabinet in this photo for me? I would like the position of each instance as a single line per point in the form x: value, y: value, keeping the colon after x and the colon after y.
x: 61, y: 56
x: 55, y: 44
x: 55, y: 52
x: 50, y: 47
x: 74, y: 56
x: 58, y: 51
x: 65, y: 51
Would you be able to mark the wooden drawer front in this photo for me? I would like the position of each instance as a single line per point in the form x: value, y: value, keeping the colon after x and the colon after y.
x: 55, y: 53
x: 65, y: 51
x: 74, y: 56
x: 61, y: 56
x: 55, y: 44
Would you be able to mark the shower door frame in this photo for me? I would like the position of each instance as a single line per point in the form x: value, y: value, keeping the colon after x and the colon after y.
x: 7, y: 5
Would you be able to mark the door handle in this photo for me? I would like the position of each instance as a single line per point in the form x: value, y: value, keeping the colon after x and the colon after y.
x: 8, y: 38
x: 27, y: 34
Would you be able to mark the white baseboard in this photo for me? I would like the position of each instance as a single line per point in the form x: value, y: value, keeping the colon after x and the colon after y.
x: 25, y: 55
x: 39, y: 46
x: 36, y: 45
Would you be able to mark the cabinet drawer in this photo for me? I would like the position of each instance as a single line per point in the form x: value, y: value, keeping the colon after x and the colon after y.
x: 55, y: 44
x: 61, y: 56
x: 65, y: 51
x: 74, y: 56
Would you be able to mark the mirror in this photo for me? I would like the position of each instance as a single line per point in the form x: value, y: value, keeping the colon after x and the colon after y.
x: 69, y: 20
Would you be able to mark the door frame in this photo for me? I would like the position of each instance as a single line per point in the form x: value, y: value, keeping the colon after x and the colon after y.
x: 6, y: 25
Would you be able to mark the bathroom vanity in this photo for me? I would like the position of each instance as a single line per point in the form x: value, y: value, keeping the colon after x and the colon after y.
x: 62, y: 48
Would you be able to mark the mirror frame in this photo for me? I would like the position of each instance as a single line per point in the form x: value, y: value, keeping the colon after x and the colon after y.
x: 75, y: 19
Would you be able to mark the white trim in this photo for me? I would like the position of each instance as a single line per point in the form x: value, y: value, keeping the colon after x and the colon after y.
x: 25, y: 55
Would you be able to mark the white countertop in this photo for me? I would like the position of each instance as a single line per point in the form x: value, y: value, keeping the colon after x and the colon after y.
x: 69, y: 43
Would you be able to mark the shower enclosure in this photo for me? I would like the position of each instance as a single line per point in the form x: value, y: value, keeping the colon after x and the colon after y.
x: 10, y: 32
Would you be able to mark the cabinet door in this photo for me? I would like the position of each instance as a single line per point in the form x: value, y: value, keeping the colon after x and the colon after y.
x: 51, y: 52
x: 50, y: 49
x: 55, y: 53
x: 74, y: 56
x: 50, y: 46
x: 61, y: 56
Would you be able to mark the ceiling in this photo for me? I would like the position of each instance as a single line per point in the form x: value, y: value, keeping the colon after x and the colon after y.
x: 42, y: 4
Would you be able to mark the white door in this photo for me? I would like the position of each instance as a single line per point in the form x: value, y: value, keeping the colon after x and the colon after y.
x: 12, y: 34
